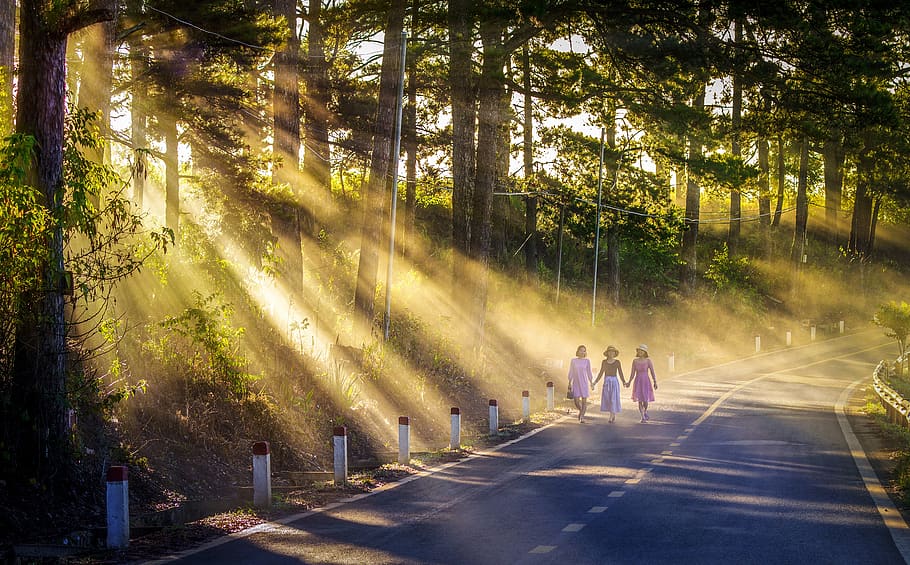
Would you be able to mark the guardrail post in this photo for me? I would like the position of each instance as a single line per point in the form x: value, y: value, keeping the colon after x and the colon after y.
x: 550, y: 396
x: 789, y: 338
x: 340, y: 441
x: 118, y: 507
x: 757, y: 343
x: 526, y: 405
x: 455, y: 442
x: 404, y: 440
x: 494, y: 417
x: 841, y: 326
x: 262, y: 475
x: 671, y: 363
x: 812, y: 333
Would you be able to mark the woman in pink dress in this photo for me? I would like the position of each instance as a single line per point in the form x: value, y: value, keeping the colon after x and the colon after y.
x: 642, y: 391
x: 580, y: 379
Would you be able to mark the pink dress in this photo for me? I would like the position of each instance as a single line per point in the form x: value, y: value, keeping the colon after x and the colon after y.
x: 642, y: 389
x: 580, y: 377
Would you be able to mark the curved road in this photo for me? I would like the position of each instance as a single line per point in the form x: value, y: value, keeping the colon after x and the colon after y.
x: 748, y: 462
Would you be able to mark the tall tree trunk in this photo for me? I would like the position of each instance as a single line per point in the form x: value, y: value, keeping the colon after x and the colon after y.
x: 764, y: 192
x: 502, y: 205
x: 317, y: 156
x: 531, y: 253
x: 736, y: 150
x: 781, y: 182
x: 96, y: 82
x: 39, y: 367
x: 139, y: 117
x: 861, y: 225
x: 461, y: 82
x: 613, y: 278
x: 834, y: 156
x: 374, y: 201
x: 490, y: 119
x: 168, y: 123
x: 410, y: 146
x: 689, y: 253
x: 7, y: 61
x: 800, y: 230
x: 286, y: 116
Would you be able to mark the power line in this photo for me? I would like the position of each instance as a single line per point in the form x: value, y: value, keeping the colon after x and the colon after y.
x: 203, y: 30
x: 630, y: 212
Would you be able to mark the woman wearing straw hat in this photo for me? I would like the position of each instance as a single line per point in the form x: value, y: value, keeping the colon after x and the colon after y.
x: 642, y: 391
x: 609, y: 369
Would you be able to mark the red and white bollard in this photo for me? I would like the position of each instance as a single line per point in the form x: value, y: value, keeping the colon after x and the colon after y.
x: 494, y: 418
x: 340, y: 442
x: 404, y: 440
x: 526, y: 405
x: 551, y: 397
x: 262, y: 475
x: 118, y: 507
x: 455, y: 442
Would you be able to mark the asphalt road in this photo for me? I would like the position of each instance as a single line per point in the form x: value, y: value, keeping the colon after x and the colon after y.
x: 742, y: 463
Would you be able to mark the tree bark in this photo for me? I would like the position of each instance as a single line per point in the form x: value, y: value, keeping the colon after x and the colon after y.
x: 764, y: 193
x: 39, y: 378
x: 139, y: 117
x: 689, y: 254
x: 461, y: 82
x: 286, y: 115
x: 410, y: 147
x: 781, y: 182
x: 531, y: 253
x: 490, y: 120
x: 168, y: 122
x: 736, y: 150
x: 316, y: 119
x: 374, y: 197
x: 613, y: 272
x: 861, y: 225
x: 7, y: 60
x: 834, y: 156
x: 800, y: 230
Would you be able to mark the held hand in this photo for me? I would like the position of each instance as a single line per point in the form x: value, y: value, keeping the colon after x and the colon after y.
x: 655, y: 385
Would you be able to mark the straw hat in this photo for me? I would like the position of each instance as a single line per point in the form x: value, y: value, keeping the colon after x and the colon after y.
x: 642, y: 347
x: 609, y: 349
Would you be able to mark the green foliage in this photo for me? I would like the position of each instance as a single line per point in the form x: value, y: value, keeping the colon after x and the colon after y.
x: 23, y: 225
x: 201, y: 344
x: 105, y: 238
x: 725, y: 271
x: 894, y: 318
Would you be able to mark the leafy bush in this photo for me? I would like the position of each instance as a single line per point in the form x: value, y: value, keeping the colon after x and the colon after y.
x: 202, y: 344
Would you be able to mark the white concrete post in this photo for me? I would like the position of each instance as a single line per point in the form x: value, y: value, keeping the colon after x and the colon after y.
x: 494, y: 418
x: 671, y: 362
x: 812, y: 333
x: 455, y: 442
x: 404, y: 440
x: 550, y: 396
x: 526, y: 405
x: 262, y: 475
x: 757, y: 343
x: 841, y: 325
x: 118, y: 507
x: 789, y: 338
x: 340, y: 441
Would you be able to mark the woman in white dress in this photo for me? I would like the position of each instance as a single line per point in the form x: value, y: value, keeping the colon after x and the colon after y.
x: 611, y: 371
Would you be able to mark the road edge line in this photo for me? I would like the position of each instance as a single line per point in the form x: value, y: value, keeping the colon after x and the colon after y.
x: 892, y: 518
